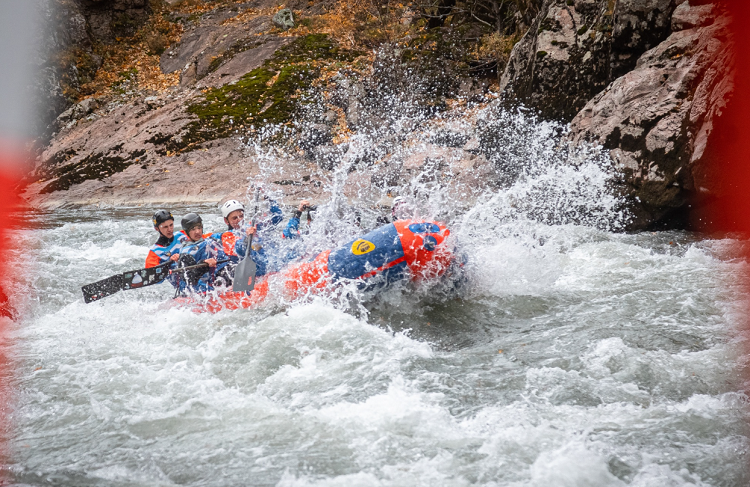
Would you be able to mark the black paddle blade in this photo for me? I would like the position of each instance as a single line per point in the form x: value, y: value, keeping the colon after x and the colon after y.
x: 128, y: 280
x: 145, y: 277
x: 101, y: 289
x: 244, y: 275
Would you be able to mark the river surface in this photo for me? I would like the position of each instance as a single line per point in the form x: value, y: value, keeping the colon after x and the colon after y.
x: 570, y: 356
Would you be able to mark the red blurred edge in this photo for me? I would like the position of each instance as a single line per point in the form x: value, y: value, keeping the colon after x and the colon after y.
x: 730, y: 212
x: 13, y: 161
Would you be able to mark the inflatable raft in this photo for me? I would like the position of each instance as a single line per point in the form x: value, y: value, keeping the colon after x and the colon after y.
x: 405, y: 249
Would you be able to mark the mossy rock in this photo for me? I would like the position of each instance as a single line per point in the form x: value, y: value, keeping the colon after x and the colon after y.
x: 238, y: 47
x: 284, y: 19
x: 269, y: 95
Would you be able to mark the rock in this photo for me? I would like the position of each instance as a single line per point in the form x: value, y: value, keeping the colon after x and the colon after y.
x: 77, y: 111
x: 455, y: 173
x: 213, y: 44
x: 349, y: 95
x: 153, y: 102
x: 125, y: 135
x: 77, y: 29
x: 573, y: 50
x: 314, y: 135
x: 472, y: 146
x: 242, y: 63
x: 687, y: 17
x: 192, y: 177
x: 328, y: 157
x: 284, y: 19
x: 449, y: 138
x: 658, y: 119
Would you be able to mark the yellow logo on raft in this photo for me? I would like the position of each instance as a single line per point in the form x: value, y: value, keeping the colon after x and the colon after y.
x: 362, y: 246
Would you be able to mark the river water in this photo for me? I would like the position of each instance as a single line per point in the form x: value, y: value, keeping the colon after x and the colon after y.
x: 572, y: 357
x: 568, y: 354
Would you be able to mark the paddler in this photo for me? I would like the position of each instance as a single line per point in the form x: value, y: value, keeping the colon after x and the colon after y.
x: 198, y: 249
x: 292, y: 226
x: 167, y: 246
x: 234, y: 216
x: 269, y: 254
x: 400, y: 210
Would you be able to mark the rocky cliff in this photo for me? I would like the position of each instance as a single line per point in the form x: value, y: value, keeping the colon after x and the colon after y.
x: 160, y: 102
x: 647, y: 79
x: 660, y: 118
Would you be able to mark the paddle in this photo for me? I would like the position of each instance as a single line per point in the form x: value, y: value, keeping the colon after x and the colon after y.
x: 202, y: 264
x: 133, y: 280
x: 127, y: 280
x: 244, y: 273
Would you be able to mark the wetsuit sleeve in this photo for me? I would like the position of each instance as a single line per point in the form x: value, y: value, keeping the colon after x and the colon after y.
x: 292, y: 227
x: 276, y: 212
x: 152, y: 260
x: 174, y: 280
x: 217, y: 251
x: 259, y: 256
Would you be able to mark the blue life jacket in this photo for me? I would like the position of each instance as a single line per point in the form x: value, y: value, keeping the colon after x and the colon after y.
x: 207, y: 248
x: 163, y: 250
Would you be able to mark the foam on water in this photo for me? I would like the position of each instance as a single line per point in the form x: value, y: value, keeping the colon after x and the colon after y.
x: 566, y: 355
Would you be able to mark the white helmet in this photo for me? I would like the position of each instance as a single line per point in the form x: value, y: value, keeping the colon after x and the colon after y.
x: 230, y: 206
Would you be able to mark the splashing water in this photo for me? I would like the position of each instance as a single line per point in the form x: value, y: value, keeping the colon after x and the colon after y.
x: 570, y: 355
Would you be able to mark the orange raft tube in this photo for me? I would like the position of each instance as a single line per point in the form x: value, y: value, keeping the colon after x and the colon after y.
x: 405, y: 249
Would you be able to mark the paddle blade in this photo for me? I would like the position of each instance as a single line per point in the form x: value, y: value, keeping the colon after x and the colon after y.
x: 145, y: 277
x: 244, y: 276
x: 128, y: 280
x: 100, y: 289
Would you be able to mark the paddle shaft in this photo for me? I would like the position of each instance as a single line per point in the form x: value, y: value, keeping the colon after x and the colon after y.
x: 202, y: 264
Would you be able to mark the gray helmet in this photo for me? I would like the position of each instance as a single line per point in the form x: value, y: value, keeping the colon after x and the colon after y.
x: 190, y: 221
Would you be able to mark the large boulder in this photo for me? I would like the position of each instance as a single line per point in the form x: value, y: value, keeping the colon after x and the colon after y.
x: 574, y: 49
x: 659, y: 119
x: 215, y: 42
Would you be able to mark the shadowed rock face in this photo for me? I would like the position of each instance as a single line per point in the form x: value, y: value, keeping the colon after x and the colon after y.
x: 659, y: 118
x: 72, y: 28
x: 110, y: 18
x: 574, y: 49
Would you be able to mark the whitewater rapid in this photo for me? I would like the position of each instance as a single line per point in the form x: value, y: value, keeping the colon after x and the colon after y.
x: 571, y: 356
